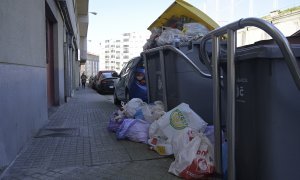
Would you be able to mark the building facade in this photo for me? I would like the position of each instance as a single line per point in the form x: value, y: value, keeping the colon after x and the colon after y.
x: 39, y: 65
x: 287, y: 21
x: 114, y: 53
x: 91, y: 66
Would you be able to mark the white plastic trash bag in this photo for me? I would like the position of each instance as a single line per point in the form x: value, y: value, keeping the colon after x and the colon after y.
x: 158, y: 141
x: 154, y: 130
x: 153, y: 111
x: 169, y: 36
x: 155, y: 33
x: 193, y: 156
x: 132, y: 106
x: 182, y: 140
x: 194, y: 29
x: 179, y: 118
x: 160, y: 145
x: 149, y: 112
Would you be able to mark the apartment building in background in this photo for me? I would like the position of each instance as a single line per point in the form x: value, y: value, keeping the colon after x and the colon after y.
x: 287, y: 21
x: 114, y: 53
x: 39, y: 65
x: 91, y: 66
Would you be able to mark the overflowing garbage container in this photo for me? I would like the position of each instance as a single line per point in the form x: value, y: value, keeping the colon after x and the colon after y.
x: 176, y: 75
x: 267, y: 113
x: 260, y: 84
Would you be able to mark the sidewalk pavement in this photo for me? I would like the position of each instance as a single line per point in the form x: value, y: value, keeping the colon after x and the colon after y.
x: 75, y: 144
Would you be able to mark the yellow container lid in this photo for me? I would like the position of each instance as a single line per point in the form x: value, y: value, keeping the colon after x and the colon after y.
x: 181, y: 8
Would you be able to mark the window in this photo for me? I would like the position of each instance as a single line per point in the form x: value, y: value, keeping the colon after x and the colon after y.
x: 128, y: 66
x: 106, y: 75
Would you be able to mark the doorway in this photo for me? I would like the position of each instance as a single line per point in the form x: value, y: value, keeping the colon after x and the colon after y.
x: 50, y: 62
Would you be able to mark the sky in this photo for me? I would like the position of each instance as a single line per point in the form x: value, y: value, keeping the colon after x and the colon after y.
x: 115, y: 17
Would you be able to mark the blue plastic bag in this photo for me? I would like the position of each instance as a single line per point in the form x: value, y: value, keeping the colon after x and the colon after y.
x: 136, y: 130
x: 114, y: 124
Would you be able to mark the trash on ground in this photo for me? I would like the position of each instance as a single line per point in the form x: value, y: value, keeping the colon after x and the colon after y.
x: 134, y: 120
x: 161, y: 146
x: 194, y: 155
x: 179, y: 131
x: 172, y: 123
x: 134, y: 129
x: 115, y: 121
x: 132, y: 106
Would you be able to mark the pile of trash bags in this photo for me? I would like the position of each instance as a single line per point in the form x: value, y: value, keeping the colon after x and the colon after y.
x: 171, y: 35
x: 134, y: 120
x: 179, y: 132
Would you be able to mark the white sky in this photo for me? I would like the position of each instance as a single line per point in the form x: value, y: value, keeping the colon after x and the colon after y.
x: 119, y: 16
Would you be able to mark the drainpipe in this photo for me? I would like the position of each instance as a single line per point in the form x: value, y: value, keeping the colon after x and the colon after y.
x: 69, y: 78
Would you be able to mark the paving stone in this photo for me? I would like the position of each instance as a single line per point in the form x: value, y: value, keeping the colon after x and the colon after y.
x: 76, y: 144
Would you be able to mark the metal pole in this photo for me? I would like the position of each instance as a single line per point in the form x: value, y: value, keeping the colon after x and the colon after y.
x: 267, y: 27
x: 281, y: 41
x: 216, y: 105
x: 174, y: 49
x: 163, y: 78
x: 230, y: 29
x: 231, y: 45
x: 147, y: 77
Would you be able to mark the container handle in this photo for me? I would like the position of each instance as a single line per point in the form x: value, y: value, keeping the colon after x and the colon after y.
x: 269, y: 28
x: 174, y: 49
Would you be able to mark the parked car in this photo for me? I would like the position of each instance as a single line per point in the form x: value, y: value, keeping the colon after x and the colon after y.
x: 106, y: 81
x: 132, y: 82
x: 96, y: 78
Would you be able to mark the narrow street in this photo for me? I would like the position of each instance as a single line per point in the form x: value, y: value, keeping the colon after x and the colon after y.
x: 75, y: 144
